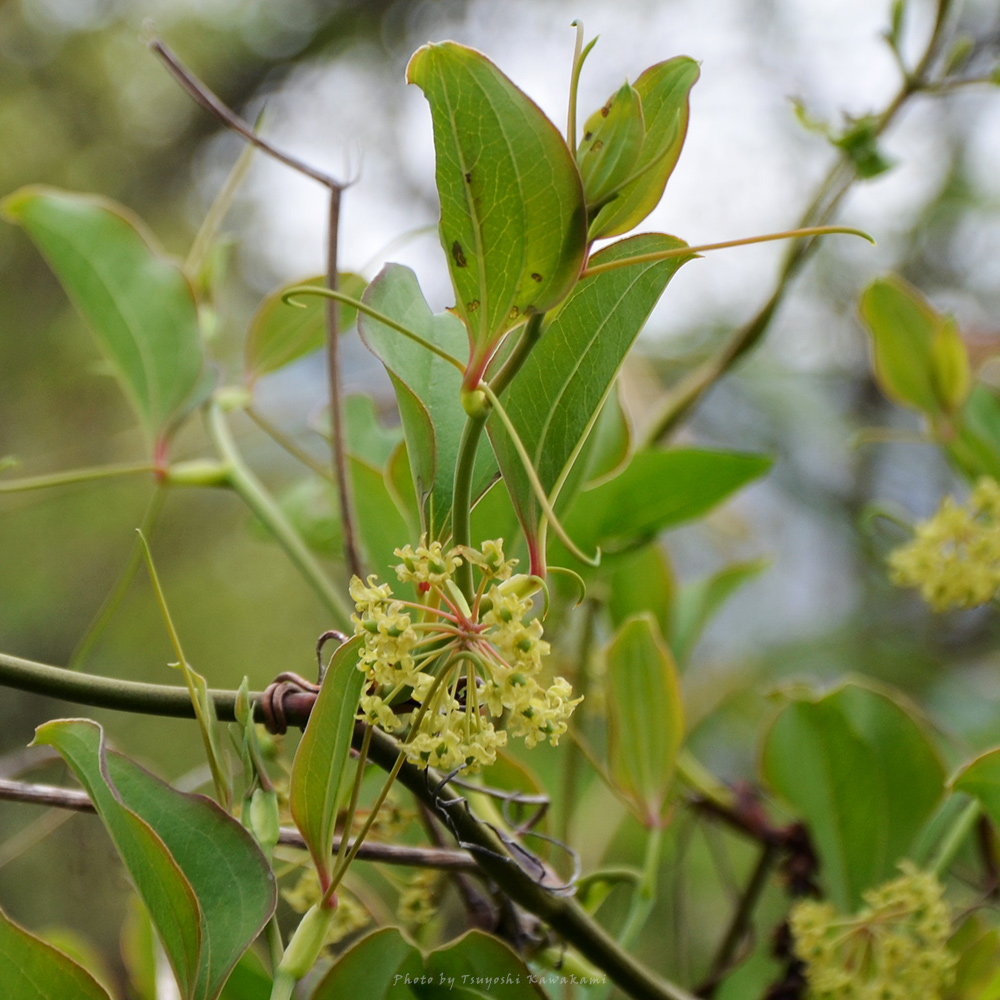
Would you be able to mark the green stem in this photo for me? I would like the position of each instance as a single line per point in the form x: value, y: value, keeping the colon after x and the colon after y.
x: 287, y: 443
x: 74, y: 476
x: 461, y: 517
x: 283, y: 986
x: 275, y: 949
x: 645, y: 893
x: 955, y: 837
x: 246, y: 484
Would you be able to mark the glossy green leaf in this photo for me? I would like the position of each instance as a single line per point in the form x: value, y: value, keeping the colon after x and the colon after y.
x: 385, y: 966
x: 645, y: 716
x: 318, y: 768
x: 558, y: 394
x: 610, y: 147
x: 283, y: 332
x: 31, y: 969
x: 664, y: 90
x: 513, y: 220
x: 427, y: 389
x: 137, y: 302
x: 208, y: 889
x: 659, y: 490
x: 862, y: 772
x: 698, y: 602
x: 920, y: 360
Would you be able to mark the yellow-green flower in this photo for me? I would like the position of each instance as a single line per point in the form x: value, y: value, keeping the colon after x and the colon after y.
x: 954, y: 557
x: 895, y: 948
x: 442, y: 670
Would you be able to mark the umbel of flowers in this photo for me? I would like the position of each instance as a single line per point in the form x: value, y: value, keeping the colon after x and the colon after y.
x: 454, y: 676
x: 895, y: 948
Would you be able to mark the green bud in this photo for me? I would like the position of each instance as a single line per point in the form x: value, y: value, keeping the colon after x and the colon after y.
x: 265, y: 819
x: 198, y: 472
x: 474, y: 402
x: 307, y: 942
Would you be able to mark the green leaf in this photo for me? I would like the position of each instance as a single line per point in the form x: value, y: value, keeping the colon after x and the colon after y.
x: 208, y: 889
x: 427, y: 389
x: 385, y: 966
x: 513, y: 219
x: 663, y: 90
x: 367, y: 437
x: 862, y: 772
x: 975, y: 449
x: 319, y: 762
x: 920, y: 360
x: 659, y: 490
x: 30, y: 969
x: 698, y: 602
x: 381, y: 525
x: 611, y: 143
x: 138, y: 947
x: 645, y: 716
x: 137, y: 302
x: 641, y: 581
x: 283, y: 332
x: 249, y: 980
x: 981, y: 779
x: 610, y: 442
x: 558, y: 394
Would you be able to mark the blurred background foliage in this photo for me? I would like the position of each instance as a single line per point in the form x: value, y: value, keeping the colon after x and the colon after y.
x: 84, y: 105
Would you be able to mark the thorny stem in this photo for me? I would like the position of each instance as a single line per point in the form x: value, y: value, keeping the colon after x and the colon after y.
x: 831, y: 191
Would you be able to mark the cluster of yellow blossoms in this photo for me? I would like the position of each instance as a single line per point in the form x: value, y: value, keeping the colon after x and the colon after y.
x: 954, y: 558
x: 443, y: 668
x: 894, y: 949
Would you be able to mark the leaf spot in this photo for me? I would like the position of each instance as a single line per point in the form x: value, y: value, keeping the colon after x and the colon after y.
x: 606, y: 110
x: 458, y: 255
x: 472, y: 306
x: 535, y: 276
x: 597, y: 145
x: 514, y: 312
x: 468, y: 178
x: 588, y: 137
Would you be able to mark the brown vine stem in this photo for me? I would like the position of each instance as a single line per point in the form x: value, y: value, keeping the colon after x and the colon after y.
x: 492, y: 858
x: 830, y: 193
x: 443, y: 858
x: 202, y: 95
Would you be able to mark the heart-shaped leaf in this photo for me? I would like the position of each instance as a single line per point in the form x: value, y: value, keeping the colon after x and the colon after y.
x: 137, y: 302
x: 205, y: 883
x: 513, y: 218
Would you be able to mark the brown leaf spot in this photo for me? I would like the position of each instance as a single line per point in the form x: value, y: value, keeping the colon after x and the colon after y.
x: 468, y: 178
x: 514, y: 312
x: 535, y: 276
x: 457, y: 254
x: 606, y: 110
x: 597, y: 145
x: 472, y: 306
x: 588, y: 137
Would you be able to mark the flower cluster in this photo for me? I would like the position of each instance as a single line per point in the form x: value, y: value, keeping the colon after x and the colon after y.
x: 441, y: 669
x: 894, y: 949
x: 954, y: 558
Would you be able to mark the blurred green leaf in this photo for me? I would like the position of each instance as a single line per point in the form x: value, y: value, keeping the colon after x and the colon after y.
x: 427, y: 389
x: 249, y: 980
x: 367, y: 437
x: 138, y: 947
x: 30, y: 969
x: 513, y: 220
x: 558, y: 394
x: 664, y: 90
x: 611, y: 143
x: 381, y: 524
x: 698, y: 602
x: 977, y: 971
x: 282, y: 332
x: 920, y: 360
x: 975, y: 448
x: 861, y: 771
x: 859, y: 141
x: 658, y: 490
x: 318, y: 768
x: 136, y: 301
x: 208, y: 889
x: 610, y: 442
x: 385, y: 966
x: 641, y: 581
x: 981, y: 779
x: 645, y: 716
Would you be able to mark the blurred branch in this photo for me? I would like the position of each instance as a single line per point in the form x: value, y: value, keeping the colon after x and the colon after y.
x: 443, y: 858
x: 831, y: 191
